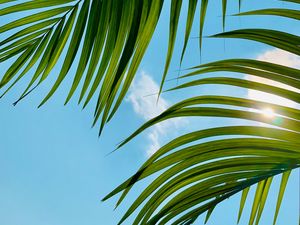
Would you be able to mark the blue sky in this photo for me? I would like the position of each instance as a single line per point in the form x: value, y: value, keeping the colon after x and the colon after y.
x: 54, y: 169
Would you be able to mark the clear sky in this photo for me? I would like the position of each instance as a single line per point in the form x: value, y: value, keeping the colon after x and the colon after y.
x: 53, y: 168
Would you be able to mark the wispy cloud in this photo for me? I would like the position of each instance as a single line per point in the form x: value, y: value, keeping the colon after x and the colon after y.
x: 281, y: 57
x: 143, y: 98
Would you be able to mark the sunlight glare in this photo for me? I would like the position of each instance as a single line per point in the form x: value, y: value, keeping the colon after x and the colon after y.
x: 268, y: 112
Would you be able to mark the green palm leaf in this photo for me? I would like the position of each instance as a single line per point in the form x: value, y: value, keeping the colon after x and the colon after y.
x: 295, y: 1
x: 289, y: 13
x: 117, y: 34
x: 271, y: 37
x: 193, y: 179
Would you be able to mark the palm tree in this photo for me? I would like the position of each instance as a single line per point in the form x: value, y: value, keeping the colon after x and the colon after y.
x: 114, y: 35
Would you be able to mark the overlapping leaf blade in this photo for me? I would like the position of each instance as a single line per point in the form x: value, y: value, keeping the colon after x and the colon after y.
x: 187, y: 200
x: 109, y: 53
x: 117, y: 34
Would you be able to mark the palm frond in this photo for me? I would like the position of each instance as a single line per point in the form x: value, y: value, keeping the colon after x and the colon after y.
x: 189, y: 24
x: 174, y: 18
x: 295, y: 1
x: 109, y: 38
x: 192, y: 170
x: 193, y: 178
x: 288, y: 13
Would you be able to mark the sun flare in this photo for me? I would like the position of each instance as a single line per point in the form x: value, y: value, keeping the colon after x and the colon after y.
x: 268, y: 112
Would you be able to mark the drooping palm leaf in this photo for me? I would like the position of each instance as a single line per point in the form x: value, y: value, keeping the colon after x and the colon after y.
x: 117, y: 34
x: 203, y: 10
x: 289, y: 13
x: 295, y: 1
x: 108, y: 37
x: 185, y: 159
x: 114, y: 36
x: 194, y: 179
x: 224, y: 9
x: 175, y: 13
x: 202, y: 154
x: 271, y: 37
x: 189, y: 24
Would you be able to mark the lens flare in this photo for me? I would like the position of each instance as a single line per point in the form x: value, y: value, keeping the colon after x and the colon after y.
x: 268, y: 112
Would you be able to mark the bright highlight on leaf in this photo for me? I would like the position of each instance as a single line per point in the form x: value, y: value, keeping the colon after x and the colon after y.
x: 268, y: 112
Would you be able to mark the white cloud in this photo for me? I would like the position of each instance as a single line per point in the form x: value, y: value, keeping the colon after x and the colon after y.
x: 281, y: 57
x: 143, y: 98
